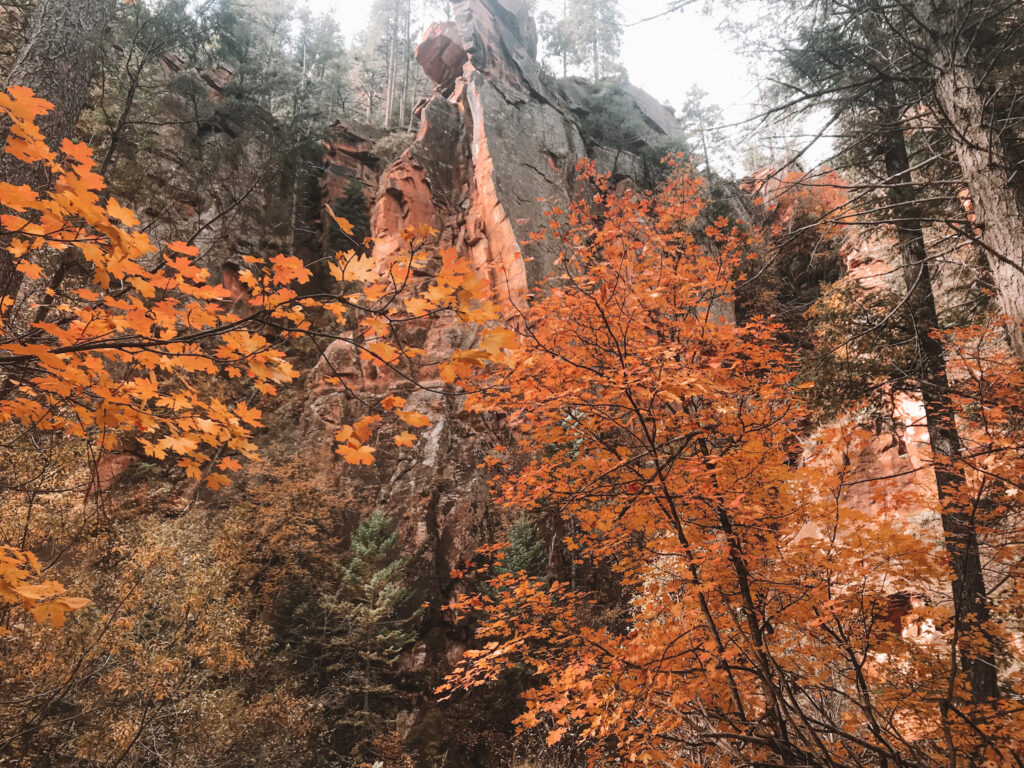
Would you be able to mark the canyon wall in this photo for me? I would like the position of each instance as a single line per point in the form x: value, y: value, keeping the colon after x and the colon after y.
x: 498, y: 143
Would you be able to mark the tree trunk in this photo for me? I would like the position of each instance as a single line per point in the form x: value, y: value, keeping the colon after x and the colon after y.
x: 970, y: 598
x: 564, y: 41
x: 407, y: 55
x: 389, y: 91
x: 56, y: 62
x: 983, y: 154
x: 122, y: 120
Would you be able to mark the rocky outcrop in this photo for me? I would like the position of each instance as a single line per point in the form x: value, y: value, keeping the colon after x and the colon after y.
x: 211, y: 173
x: 497, y: 144
x: 441, y: 54
x: 349, y: 157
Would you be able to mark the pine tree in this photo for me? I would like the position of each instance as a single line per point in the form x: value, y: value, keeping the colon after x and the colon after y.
x: 852, y: 60
x: 586, y: 36
x: 557, y: 38
x: 360, y: 628
x: 597, y: 36
x: 702, y: 124
x: 525, y: 553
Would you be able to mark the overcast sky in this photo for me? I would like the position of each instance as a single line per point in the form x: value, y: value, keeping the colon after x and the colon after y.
x: 664, y: 57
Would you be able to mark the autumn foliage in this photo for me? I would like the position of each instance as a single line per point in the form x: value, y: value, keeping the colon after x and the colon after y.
x: 764, y: 616
x: 732, y: 586
x: 128, y: 348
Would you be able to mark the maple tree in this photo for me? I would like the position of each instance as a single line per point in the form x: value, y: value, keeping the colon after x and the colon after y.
x: 767, y: 619
x: 126, y: 351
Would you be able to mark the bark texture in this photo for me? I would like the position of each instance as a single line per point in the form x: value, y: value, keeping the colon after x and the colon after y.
x: 56, y: 62
x: 982, y: 151
x: 970, y: 598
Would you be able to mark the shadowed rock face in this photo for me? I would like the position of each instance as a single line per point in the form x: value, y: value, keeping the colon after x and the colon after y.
x: 348, y: 157
x: 497, y: 144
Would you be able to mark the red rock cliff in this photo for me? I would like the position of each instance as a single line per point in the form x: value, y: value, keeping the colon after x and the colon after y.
x: 497, y: 142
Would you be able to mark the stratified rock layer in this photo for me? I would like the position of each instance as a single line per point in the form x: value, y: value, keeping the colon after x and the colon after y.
x: 497, y: 145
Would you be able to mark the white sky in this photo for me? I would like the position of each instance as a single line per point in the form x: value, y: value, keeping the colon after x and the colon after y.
x: 665, y: 57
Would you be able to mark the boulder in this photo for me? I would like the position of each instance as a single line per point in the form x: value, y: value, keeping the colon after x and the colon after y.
x: 441, y: 54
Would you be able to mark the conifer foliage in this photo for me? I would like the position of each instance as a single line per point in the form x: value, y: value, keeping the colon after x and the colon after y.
x: 356, y: 633
x: 701, y: 551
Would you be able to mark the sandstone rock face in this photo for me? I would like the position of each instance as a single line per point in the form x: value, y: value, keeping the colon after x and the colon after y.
x: 497, y: 144
x: 441, y: 54
x: 500, y: 37
x: 348, y: 157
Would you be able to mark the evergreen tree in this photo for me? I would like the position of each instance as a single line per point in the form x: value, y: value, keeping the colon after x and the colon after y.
x: 355, y: 209
x: 585, y: 36
x: 385, y: 76
x: 525, y: 553
x: 702, y: 126
x: 868, y: 64
x: 557, y: 37
x: 597, y: 36
x: 355, y: 634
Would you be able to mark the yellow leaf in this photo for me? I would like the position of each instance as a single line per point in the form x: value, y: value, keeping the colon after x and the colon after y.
x: 342, y: 222
x: 418, y: 306
x: 406, y: 439
x: 251, y: 416
x: 30, y: 270
x: 184, y: 248
x: 289, y: 268
x: 361, y: 455
x: 375, y: 292
x: 125, y: 215
x: 494, y: 340
x: 555, y: 736
x: 391, y: 402
x: 55, y: 611
x: 362, y: 428
x: 414, y: 419
x: 217, y: 481
x: 19, y: 198
x: 353, y: 269
x: 180, y: 445
x: 381, y: 353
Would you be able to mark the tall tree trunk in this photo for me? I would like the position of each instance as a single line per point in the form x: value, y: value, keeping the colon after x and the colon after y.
x: 564, y: 41
x: 407, y: 55
x: 389, y: 91
x: 56, y: 62
x: 970, y: 598
x: 984, y: 156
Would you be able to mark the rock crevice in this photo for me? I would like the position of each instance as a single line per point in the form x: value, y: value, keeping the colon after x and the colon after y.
x: 498, y: 143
